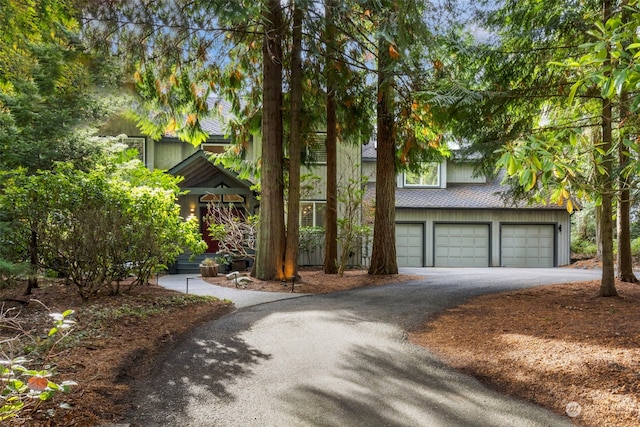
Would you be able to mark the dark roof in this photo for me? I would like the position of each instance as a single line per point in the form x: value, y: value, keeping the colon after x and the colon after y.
x: 369, y: 151
x: 458, y: 196
x: 490, y: 195
x: 198, y: 171
x: 213, y: 124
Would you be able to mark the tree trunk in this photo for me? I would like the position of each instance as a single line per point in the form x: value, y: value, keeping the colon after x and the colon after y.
x: 331, y: 214
x: 295, y: 147
x: 607, y: 283
x: 383, y: 256
x: 625, y: 258
x: 32, y: 280
x: 598, y: 213
x: 271, y: 237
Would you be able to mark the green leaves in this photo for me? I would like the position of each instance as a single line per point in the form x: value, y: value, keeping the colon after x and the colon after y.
x: 610, y: 61
x: 544, y: 169
x: 48, y: 81
x: 94, y: 227
x: 22, y: 386
x: 61, y: 322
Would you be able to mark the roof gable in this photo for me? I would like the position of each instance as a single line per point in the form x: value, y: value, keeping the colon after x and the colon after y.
x: 200, y: 172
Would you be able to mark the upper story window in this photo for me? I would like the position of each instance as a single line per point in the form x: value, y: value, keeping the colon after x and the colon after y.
x: 315, y: 150
x: 312, y: 214
x: 428, y: 176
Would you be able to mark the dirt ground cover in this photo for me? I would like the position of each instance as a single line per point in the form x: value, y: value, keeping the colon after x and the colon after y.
x: 113, y: 342
x: 554, y: 345
x: 313, y: 281
x: 559, y: 346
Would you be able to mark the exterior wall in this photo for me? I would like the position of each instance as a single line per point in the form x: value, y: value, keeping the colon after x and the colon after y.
x: 120, y: 125
x: 255, y: 148
x: 349, y: 167
x: 315, y: 258
x: 319, y: 190
x: 428, y: 217
x: 189, y: 205
x: 451, y: 173
x: 369, y: 170
x: 170, y: 152
x: 462, y: 173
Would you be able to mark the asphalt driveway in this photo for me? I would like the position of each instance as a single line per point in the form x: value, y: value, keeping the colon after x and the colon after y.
x: 335, y: 360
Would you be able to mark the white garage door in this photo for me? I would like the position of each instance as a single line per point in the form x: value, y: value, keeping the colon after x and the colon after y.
x: 409, y: 245
x: 527, y: 245
x: 461, y: 245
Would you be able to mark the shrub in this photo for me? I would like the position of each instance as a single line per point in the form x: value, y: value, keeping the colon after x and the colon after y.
x: 23, y: 389
x: 95, y: 228
x: 310, y: 239
x: 583, y: 247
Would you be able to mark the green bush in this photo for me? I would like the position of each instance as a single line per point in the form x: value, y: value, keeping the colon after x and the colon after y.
x: 310, y: 240
x: 96, y: 228
x: 583, y: 247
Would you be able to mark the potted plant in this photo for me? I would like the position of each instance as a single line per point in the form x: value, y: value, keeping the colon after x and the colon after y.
x: 224, y: 262
x: 209, y: 267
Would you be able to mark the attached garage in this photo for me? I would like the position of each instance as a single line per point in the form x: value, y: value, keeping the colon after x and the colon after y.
x: 410, y: 245
x: 462, y: 219
x: 461, y: 245
x: 527, y: 245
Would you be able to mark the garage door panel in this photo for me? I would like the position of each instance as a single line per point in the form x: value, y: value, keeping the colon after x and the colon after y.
x: 409, y: 245
x: 527, y: 245
x: 461, y: 245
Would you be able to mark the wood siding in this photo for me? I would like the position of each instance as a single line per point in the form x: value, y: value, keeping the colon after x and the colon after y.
x: 349, y: 167
x: 369, y: 170
x: 168, y: 153
x: 559, y: 218
x: 460, y: 173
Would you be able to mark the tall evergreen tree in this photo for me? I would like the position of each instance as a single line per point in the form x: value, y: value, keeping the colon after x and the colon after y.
x: 331, y: 214
x: 271, y: 239
x: 295, y: 145
x: 549, y: 116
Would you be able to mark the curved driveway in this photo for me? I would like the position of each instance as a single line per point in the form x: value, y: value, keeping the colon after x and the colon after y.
x: 336, y: 360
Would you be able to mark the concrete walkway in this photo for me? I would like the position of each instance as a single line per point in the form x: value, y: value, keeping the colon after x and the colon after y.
x: 194, y: 284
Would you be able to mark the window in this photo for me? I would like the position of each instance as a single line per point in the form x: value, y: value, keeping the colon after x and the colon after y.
x: 315, y: 150
x: 312, y: 214
x: 428, y: 176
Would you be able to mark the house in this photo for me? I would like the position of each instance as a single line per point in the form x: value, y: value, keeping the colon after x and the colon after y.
x: 207, y: 182
x: 445, y: 216
x: 448, y: 217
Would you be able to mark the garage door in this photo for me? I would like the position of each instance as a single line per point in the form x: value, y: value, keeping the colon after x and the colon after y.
x: 409, y: 245
x: 527, y: 245
x: 461, y: 245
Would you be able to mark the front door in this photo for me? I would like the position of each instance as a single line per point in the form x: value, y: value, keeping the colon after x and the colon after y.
x: 212, y: 245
